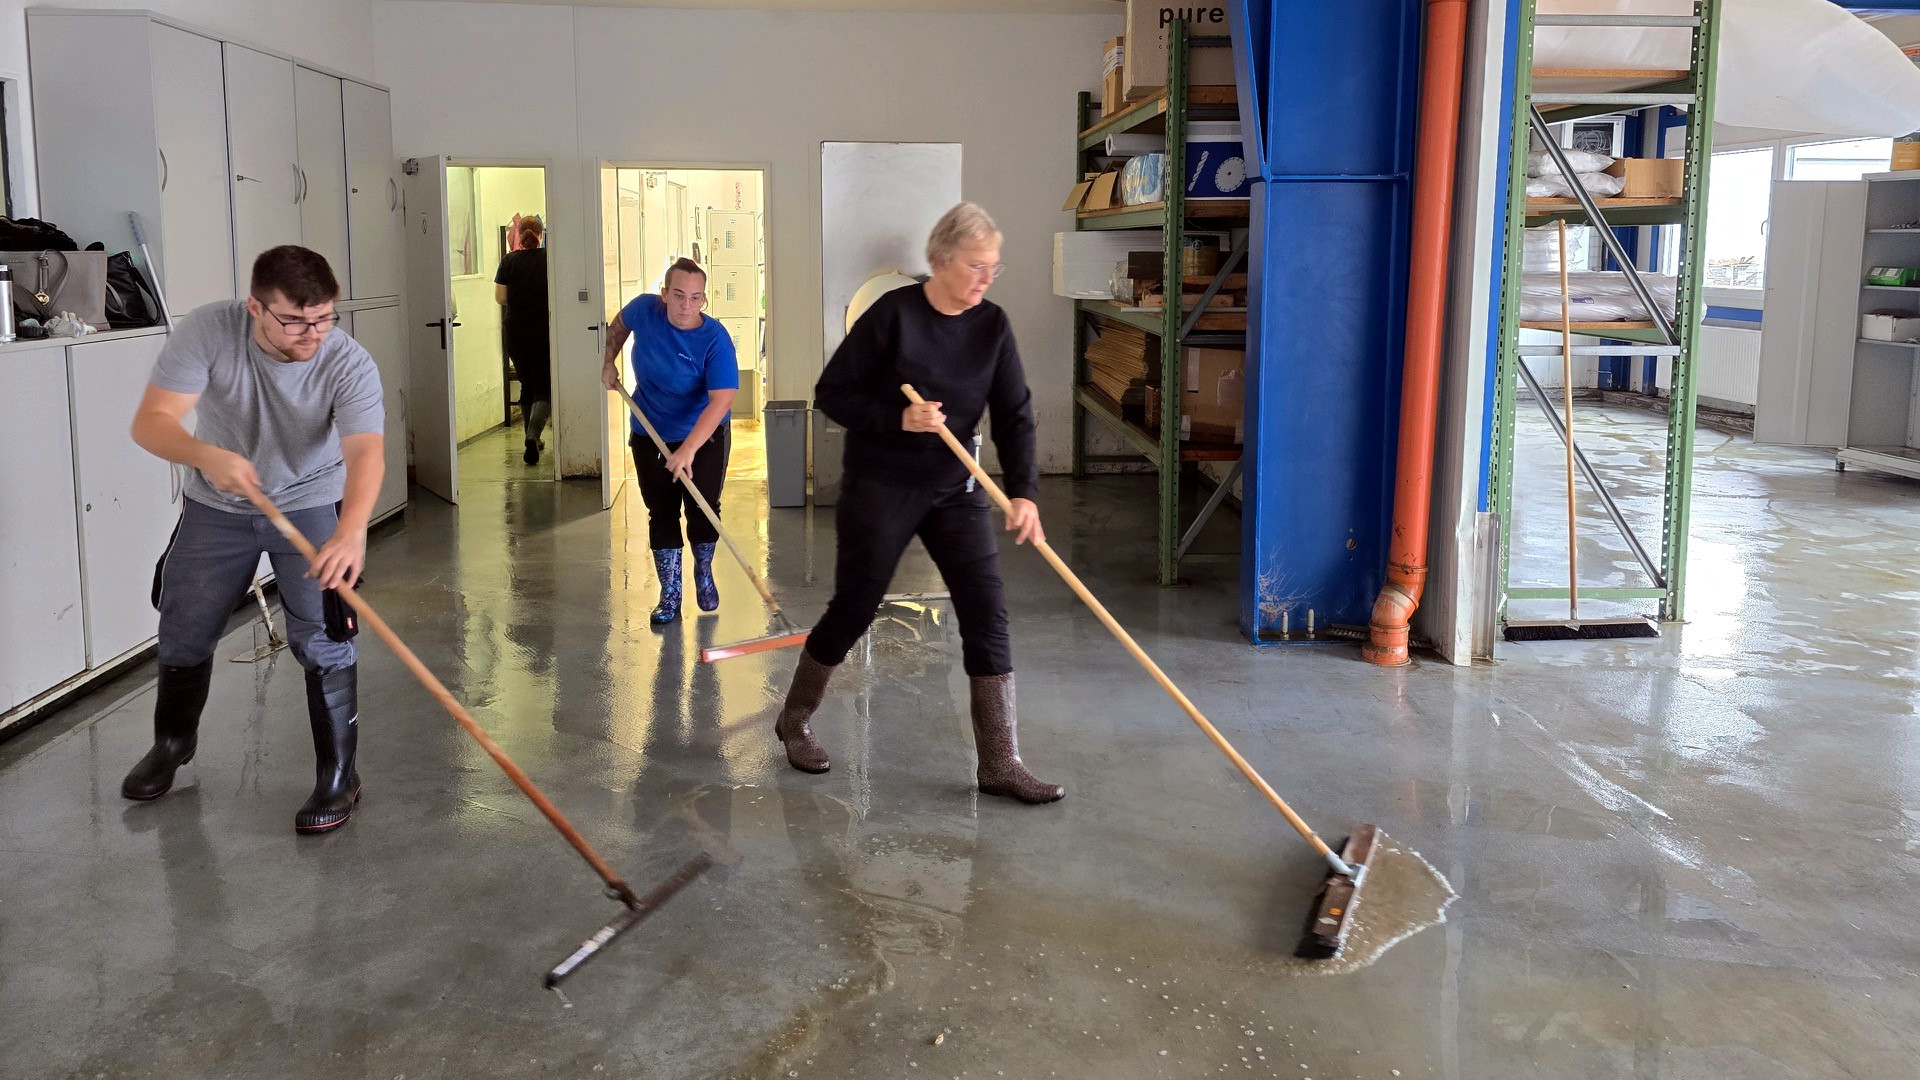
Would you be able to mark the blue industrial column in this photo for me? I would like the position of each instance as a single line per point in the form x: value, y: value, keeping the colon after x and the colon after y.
x: 1327, y: 107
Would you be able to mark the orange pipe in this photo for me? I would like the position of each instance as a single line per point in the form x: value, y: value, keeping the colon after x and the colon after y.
x: 1443, y: 61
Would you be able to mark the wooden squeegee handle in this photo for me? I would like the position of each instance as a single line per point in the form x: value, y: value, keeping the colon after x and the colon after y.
x: 660, y: 444
x: 1193, y: 712
x: 372, y: 618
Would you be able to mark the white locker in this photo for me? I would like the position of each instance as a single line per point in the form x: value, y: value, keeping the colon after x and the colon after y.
x: 43, y: 635
x: 189, y: 113
x: 127, y: 505
x: 264, y: 154
x: 732, y: 292
x: 321, y: 135
x: 733, y: 238
x: 378, y: 330
x: 373, y: 194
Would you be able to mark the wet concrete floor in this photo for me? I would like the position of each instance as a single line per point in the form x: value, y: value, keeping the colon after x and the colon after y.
x: 1691, y: 857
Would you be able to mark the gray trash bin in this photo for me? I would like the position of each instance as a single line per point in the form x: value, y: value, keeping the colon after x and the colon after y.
x: 786, y: 432
x: 829, y: 448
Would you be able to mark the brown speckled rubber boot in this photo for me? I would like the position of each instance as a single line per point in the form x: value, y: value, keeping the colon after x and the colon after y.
x: 997, y: 743
x: 803, y: 697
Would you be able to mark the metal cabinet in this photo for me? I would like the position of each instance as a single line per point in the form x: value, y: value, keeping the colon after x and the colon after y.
x: 43, y: 636
x: 373, y: 194
x: 263, y: 154
x: 321, y: 136
x: 126, y: 496
x: 378, y: 330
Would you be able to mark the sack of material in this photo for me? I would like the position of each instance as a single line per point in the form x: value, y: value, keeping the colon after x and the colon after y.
x: 1541, y: 163
x: 46, y: 283
x: 1593, y: 296
x: 1598, y: 184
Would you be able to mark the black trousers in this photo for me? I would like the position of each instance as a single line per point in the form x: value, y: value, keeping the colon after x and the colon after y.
x: 874, y: 521
x: 667, y: 498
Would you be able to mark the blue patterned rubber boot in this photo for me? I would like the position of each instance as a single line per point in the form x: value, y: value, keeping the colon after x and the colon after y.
x: 704, y: 590
x: 666, y: 562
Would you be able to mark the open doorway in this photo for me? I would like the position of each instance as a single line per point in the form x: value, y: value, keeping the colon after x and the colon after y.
x: 479, y: 364
x: 651, y: 216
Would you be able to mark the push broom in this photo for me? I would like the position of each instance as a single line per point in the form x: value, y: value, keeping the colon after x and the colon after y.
x: 1573, y: 627
x: 638, y: 907
x: 787, y: 635
x: 1332, y: 915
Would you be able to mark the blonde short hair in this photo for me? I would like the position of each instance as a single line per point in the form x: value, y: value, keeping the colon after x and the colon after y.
x: 957, y: 228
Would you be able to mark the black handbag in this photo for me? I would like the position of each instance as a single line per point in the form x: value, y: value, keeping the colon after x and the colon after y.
x: 130, y: 303
x: 32, y: 234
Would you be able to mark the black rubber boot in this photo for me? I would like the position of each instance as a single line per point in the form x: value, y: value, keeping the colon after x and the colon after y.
x: 333, y: 710
x: 996, y: 740
x: 809, y: 688
x: 176, y: 730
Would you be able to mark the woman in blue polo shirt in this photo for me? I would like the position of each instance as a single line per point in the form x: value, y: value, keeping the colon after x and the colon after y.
x: 684, y: 379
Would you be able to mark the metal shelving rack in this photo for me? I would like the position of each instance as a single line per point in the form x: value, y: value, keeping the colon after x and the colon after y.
x: 1173, y: 108
x: 1534, y: 110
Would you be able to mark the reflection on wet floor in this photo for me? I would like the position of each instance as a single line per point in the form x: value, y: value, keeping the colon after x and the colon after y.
x: 1683, y: 858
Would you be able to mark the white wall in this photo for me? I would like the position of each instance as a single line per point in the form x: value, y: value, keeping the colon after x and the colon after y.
x: 332, y: 33
x: 684, y: 87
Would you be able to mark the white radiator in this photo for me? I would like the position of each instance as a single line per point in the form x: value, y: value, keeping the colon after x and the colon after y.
x: 1729, y: 365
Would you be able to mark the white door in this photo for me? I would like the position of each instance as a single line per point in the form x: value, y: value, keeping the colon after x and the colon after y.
x: 616, y: 463
x: 43, y: 635
x: 321, y: 134
x: 436, y: 449
x: 1816, y: 232
x: 127, y: 509
x: 196, y: 221
x: 373, y: 194
x: 264, y: 154
x: 378, y: 331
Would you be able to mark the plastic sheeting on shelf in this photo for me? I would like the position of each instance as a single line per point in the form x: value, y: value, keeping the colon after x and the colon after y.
x: 1785, y: 65
x: 1593, y: 296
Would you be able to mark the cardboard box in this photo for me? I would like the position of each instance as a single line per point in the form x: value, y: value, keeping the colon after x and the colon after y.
x: 1216, y: 161
x: 1146, y: 53
x: 1875, y: 326
x: 1113, y: 74
x: 1649, y: 178
x: 1213, y: 408
x: 1102, y: 192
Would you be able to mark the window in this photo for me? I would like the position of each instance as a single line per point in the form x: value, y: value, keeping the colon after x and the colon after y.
x: 463, y: 221
x: 1841, y: 159
x: 1737, y: 196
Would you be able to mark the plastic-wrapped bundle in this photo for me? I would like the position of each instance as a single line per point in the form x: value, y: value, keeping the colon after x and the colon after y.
x: 1593, y: 296
x: 1540, y: 162
x: 1598, y: 184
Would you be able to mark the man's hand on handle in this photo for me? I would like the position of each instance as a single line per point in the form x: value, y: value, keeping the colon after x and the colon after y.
x: 341, y: 558
x: 229, y: 472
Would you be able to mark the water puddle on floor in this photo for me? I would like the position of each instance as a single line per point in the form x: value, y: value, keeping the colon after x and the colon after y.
x: 1495, y: 808
x: 1402, y: 895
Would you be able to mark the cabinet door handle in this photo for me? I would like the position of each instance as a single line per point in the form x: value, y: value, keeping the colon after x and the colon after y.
x: 302, y: 174
x: 164, y: 171
x: 248, y: 179
x: 393, y: 194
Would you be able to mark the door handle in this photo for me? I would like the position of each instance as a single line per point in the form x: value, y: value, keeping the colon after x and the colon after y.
x: 164, y: 171
x: 248, y: 179
x: 393, y: 194
x: 442, y: 324
x: 299, y: 184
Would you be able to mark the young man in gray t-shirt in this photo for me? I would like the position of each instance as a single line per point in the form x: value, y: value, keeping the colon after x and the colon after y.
x: 286, y: 409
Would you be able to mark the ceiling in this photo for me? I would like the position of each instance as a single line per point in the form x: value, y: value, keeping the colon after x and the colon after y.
x: 953, y: 7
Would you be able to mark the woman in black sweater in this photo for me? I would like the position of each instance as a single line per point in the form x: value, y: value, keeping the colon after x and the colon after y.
x: 901, y: 481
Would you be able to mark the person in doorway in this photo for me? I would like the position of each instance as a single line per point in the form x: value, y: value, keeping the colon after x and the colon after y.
x: 685, y: 377
x: 900, y: 481
x: 520, y: 287
x: 289, y: 410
